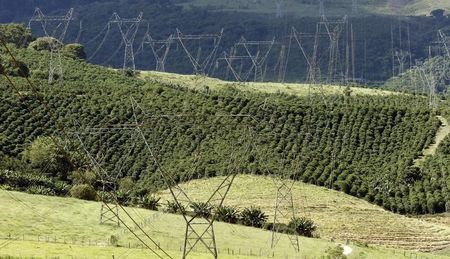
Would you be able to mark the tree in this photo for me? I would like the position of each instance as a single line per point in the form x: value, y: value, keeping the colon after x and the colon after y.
x: 253, y: 217
x: 45, y: 43
x: 227, y: 214
x: 48, y: 155
x: 16, y: 34
x: 303, y: 226
x: 75, y: 51
x: 84, y: 192
x: 201, y: 209
x: 14, y: 68
x: 438, y: 13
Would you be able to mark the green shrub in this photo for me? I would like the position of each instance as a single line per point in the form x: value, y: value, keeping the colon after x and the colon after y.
x: 172, y: 207
x: 45, y: 43
x: 84, y: 192
x: 151, y: 202
x: 253, y: 217
x: 16, y: 34
x: 303, y: 226
x: 75, y: 51
x: 201, y: 209
x: 335, y: 252
x: 48, y: 155
x: 227, y: 214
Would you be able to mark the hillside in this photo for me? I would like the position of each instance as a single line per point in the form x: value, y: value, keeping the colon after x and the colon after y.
x: 332, y: 7
x: 70, y: 229
x: 362, y: 145
x: 339, y: 216
x: 372, y: 34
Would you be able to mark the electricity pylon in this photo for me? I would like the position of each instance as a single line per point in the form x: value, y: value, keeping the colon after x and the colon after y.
x: 280, y: 8
x: 445, y: 42
x: 284, y: 205
x: 252, y: 49
x: 58, y: 33
x: 200, y: 65
x: 354, y: 7
x: 321, y: 8
x: 160, y: 49
x: 128, y: 29
x: 199, y: 230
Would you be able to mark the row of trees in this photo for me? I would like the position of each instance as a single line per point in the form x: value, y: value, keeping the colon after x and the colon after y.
x: 361, y: 145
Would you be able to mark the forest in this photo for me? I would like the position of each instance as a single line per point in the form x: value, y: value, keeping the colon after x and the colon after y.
x: 375, y: 36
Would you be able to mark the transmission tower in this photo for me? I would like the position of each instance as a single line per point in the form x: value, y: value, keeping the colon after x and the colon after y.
x: 280, y: 8
x: 238, y: 73
x: 160, y: 49
x: 445, y: 42
x: 200, y: 65
x: 58, y: 32
x: 284, y: 208
x: 253, y: 49
x: 334, y: 30
x: 354, y: 7
x: 128, y: 29
x: 321, y: 8
x: 199, y: 230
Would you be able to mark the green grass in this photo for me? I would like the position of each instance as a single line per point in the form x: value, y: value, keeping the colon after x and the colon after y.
x: 338, y: 215
x: 332, y: 7
x: 443, y: 131
x: 25, y: 216
x: 202, y: 83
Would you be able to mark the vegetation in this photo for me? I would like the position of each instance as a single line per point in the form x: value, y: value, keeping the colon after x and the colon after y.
x: 76, y: 222
x: 84, y: 192
x: 337, y: 215
x: 303, y: 226
x: 253, y: 217
x: 361, y: 145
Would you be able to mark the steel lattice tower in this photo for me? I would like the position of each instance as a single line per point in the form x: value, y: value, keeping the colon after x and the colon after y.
x: 55, y: 65
x: 199, y: 230
x: 160, y: 50
x: 128, y: 29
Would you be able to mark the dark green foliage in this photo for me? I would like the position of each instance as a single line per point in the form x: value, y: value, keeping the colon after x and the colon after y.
x: 303, y: 226
x: 75, y: 51
x: 172, y: 207
x: 84, y: 192
x: 201, y: 209
x: 151, y: 202
x: 227, y: 214
x: 47, y: 154
x: 16, y: 34
x: 253, y: 217
x: 15, y: 68
x: 361, y: 145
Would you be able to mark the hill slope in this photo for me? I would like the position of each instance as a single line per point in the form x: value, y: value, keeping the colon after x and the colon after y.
x: 73, y: 221
x: 338, y: 215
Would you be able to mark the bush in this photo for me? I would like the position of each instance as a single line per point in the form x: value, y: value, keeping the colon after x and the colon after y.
x: 75, y: 51
x: 45, y: 43
x: 84, y: 192
x: 227, y: 214
x: 172, y: 207
x: 201, y: 209
x: 151, y: 203
x: 335, y: 252
x: 15, y: 68
x: 303, y: 226
x: 49, y: 156
x: 253, y: 217
x: 16, y: 34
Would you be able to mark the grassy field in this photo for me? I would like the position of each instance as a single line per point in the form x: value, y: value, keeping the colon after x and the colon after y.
x: 338, y: 215
x: 203, y: 83
x: 332, y: 7
x: 69, y: 228
x: 443, y: 131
